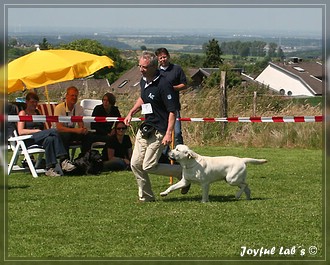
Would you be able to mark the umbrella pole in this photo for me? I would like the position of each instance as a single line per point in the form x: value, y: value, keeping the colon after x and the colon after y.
x: 46, y: 94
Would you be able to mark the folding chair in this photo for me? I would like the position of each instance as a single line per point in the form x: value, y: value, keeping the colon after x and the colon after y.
x: 88, y: 106
x: 47, y: 109
x: 17, y: 145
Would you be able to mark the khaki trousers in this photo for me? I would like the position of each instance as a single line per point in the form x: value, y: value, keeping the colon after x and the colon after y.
x: 146, y: 154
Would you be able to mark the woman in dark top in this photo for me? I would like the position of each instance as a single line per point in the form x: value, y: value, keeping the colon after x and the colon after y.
x: 48, y: 139
x: 106, y: 109
x: 117, y: 155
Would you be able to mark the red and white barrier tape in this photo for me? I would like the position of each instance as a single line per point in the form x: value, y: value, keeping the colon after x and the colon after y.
x: 44, y: 118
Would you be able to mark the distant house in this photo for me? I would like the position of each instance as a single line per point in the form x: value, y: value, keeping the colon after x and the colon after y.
x: 293, y: 78
x: 128, y: 81
x: 198, y: 75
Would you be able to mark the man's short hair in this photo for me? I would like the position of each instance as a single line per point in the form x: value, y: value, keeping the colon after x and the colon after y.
x: 151, y: 57
x: 162, y: 50
x: 71, y: 88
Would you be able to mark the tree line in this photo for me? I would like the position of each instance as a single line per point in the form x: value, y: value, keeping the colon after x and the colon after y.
x: 252, y: 48
x: 212, y: 56
x: 215, y: 53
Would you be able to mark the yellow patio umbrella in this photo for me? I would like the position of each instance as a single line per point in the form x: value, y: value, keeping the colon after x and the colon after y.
x: 2, y: 79
x: 45, y: 67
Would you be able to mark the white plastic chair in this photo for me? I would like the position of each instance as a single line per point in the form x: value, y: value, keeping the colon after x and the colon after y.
x: 88, y: 106
x: 17, y: 145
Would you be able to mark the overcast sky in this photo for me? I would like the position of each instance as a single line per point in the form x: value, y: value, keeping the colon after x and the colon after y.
x: 283, y: 19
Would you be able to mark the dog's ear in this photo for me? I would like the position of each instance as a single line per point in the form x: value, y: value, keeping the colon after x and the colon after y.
x: 191, y: 154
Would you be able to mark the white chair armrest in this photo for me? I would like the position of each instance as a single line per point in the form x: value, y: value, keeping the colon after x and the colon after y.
x: 17, y: 138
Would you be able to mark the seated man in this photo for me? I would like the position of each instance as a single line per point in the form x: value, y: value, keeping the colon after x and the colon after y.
x: 71, y: 132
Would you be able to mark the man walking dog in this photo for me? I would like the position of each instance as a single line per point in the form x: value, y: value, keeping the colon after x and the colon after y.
x: 158, y: 104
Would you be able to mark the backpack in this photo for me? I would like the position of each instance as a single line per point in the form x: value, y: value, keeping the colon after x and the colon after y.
x: 89, y: 163
x: 12, y: 109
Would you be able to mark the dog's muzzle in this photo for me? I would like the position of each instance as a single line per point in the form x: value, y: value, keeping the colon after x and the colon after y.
x: 171, y: 155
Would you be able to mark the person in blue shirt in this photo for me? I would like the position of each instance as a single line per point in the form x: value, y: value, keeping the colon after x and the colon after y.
x: 175, y: 74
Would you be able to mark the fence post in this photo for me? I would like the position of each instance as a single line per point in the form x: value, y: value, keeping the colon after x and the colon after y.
x: 254, y: 103
x: 224, y: 104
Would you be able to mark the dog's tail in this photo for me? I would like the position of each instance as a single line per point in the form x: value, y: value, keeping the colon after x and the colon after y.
x: 254, y: 160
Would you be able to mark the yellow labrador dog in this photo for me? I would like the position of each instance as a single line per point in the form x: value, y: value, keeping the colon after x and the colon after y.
x: 205, y: 170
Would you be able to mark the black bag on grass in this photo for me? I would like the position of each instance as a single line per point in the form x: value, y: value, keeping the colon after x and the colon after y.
x: 88, y: 164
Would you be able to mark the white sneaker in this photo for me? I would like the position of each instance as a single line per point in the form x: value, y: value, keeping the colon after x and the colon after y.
x: 67, y: 165
x: 52, y: 173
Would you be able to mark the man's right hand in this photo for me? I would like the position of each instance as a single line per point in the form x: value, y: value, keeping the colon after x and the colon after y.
x: 127, y: 120
x: 82, y: 130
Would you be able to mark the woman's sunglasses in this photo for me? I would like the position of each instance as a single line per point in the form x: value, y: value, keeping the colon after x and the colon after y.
x: 121, y: 128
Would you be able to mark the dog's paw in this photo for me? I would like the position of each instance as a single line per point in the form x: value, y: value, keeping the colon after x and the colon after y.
x: 163, y: 194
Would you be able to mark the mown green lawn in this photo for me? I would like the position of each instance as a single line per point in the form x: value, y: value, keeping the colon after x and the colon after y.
x: 98, y: 217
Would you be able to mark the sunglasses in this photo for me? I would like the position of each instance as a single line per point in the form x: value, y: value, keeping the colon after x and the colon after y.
x: 121, y: 128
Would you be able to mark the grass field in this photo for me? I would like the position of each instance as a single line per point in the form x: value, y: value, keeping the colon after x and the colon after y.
x: 98, y: 217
